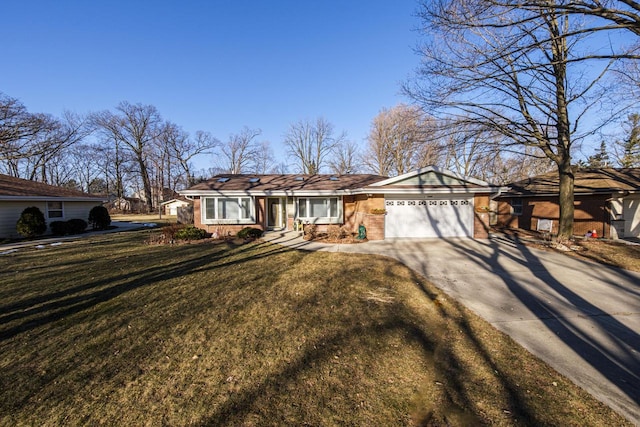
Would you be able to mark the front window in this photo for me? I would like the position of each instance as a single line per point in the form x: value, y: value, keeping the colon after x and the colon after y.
x: 54, y: 210
x: 231, y: 209
x: 516, y: 206
x: 318, y: 207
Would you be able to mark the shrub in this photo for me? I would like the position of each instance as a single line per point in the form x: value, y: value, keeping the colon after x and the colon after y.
x: 310, y: 231
x: 76, y: 226
x: 31, y: 222
x: 335, y: 232
x: 250, y: 233
x: 170, y: 231
x: 58, y: 228
x: 99, y: 218
x: 190, y: 233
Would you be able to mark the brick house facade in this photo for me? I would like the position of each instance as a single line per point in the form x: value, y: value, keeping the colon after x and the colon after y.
x: 430, y: 202
x: 605, y: 200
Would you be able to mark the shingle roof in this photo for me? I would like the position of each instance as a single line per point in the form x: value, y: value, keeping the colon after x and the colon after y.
x: 283, y: 183
x: 587, y: 181
x: 11, y: 187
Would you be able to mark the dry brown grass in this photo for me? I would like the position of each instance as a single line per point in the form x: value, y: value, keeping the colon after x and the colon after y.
x: 604, y: 251
x: 151, y: 218
x: 108, y: 330
x: 611, y: 253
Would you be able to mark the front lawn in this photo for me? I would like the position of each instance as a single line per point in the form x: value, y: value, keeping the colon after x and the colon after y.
x: 609, y: 252
x: 109, y: 330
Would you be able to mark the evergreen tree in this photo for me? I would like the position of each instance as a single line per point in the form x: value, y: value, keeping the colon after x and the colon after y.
x: 630, y: 157
x: 600, y: 159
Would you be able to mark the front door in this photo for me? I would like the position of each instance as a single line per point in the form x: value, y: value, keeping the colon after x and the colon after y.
x: 275, y: 213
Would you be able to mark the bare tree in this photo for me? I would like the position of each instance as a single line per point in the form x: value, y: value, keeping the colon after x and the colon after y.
x: 614, y: 14
x: 345, y: 159
x: 84, y: 161
x: 113, y: 164
x: 240, y: 150
x: 30, y: 142
x: 136, y: 127
x: 263, y: 160
x: 62, y: 135
x: 400, y: 140
x: 519, y: 72
x: 20, y: 131
x: 311, y: 143
x: 465, y: 153
x: 183, y: 149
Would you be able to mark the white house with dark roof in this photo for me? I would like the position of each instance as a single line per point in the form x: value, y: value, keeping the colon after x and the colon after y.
x: 429, y: 202
x: 56, y: 203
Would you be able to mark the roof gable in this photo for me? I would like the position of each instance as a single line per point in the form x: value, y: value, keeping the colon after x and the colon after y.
x: 431, y: 177
x: 17, y: 188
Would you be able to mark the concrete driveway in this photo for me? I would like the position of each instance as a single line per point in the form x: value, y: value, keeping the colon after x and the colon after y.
x: 580, y: 317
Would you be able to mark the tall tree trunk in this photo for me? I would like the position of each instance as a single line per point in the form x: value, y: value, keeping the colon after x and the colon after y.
x: 146, y: 183
x: 565, y: 226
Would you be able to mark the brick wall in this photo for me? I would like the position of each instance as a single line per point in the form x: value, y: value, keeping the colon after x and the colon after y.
x: 591, y: 213
x: 481, y: 207
x: 375, y: 226
x: 357, y: 210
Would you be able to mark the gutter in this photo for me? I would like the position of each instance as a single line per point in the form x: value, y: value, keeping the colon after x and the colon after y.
x: 50, y: 199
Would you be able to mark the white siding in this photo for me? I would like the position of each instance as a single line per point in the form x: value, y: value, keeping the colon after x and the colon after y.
x: 78, y: 210
x: 10, y: 213
x: 631, y: 215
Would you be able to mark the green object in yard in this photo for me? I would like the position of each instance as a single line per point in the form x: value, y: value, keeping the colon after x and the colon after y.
x: 362, y: 232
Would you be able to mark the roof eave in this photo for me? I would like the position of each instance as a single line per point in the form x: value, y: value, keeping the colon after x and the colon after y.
x: 444, y: 190
x: 270, y: 193
x: 51, y: 198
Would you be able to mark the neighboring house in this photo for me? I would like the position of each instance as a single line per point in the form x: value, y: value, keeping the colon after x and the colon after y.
x: 606, y: 200
x: 171, y: 206
x: 425, y: 203
x: 126, y: 204
x: 56, y: 203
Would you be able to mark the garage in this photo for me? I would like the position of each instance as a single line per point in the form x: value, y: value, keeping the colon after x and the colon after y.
x: 450, y: 216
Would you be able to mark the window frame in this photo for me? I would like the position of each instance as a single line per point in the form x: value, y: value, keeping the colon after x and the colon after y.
x: 245, y: 211
x: 49, y: 210
x: 305, y: 207
x: 516, y: 206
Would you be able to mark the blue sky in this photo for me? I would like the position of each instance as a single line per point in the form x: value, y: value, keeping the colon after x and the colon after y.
x: 213, y: 65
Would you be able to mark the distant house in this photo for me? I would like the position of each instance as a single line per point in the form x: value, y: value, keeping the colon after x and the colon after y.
x: 56, y: 203
x: 171, y: 206
x: 126, y: 205
x: 429, y: 202
x: 606, y: 200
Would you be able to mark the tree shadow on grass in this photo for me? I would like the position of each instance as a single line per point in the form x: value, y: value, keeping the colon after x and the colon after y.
x: 617, y: 359
x: 49, y: 307
x: 255, y: 398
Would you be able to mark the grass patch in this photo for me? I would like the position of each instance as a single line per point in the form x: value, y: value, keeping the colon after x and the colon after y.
x: 108, y: 330
x: 610, y: 253
x: 155, y: 218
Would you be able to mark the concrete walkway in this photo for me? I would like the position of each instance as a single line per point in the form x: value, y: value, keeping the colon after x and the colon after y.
x: 581, y: 318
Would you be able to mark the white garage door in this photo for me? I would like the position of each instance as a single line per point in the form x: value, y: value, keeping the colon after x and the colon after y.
x: 433, y: 217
